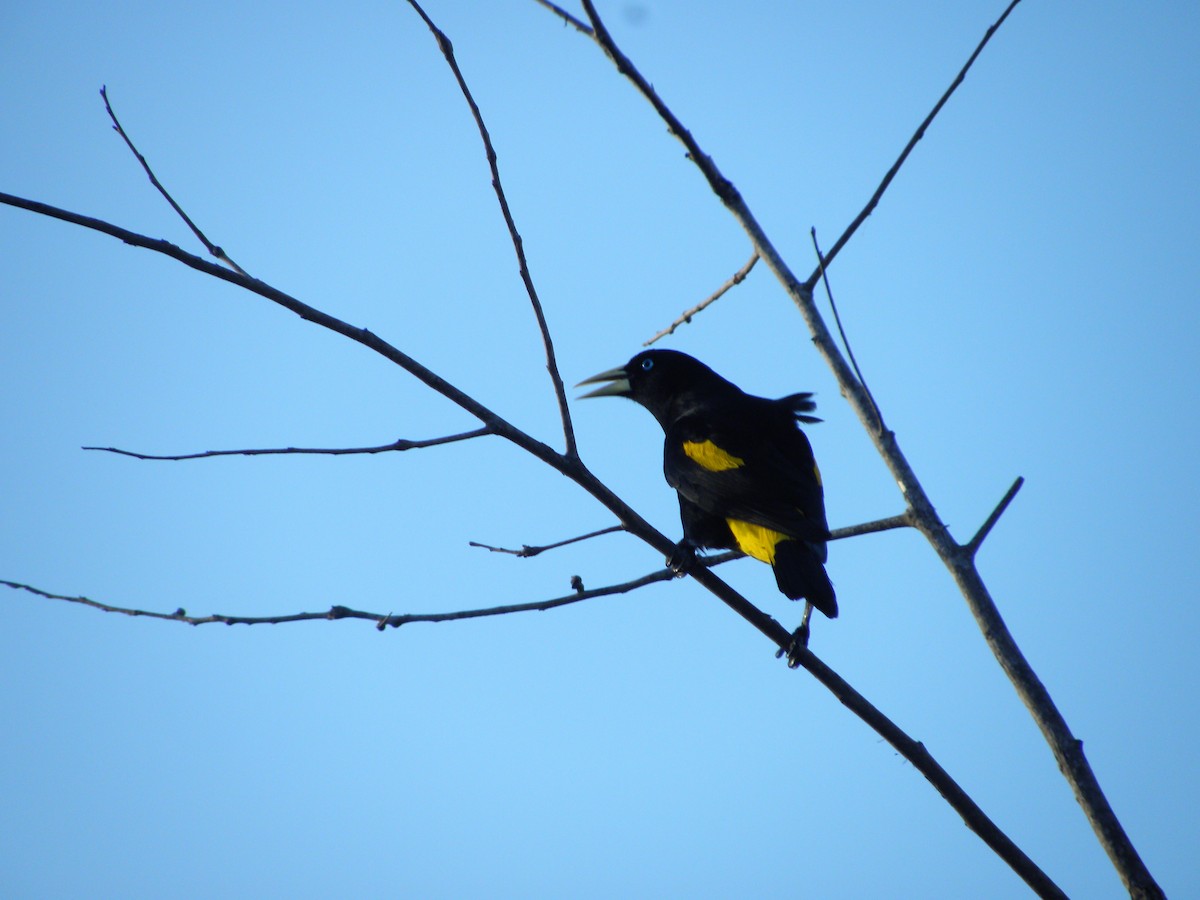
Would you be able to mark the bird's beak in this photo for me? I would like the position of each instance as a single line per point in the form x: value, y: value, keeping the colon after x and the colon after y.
x: 619, y: 386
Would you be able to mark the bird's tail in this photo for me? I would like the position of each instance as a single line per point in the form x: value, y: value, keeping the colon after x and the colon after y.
x: 800, y: 404
x: 800, y: 575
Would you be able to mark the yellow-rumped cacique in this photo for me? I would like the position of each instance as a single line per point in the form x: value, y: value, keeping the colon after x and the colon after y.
x: 743, y: 469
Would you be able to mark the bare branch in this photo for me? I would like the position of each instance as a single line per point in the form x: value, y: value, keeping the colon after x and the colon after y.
x: 738, y: 277
x: 493, y: 422
x: 837, y: 318
x: 911, y: 749
x: 1065, y: 747
x: 344, y: 612
x: 576, y: 596
x: 560, y: 391
x: 972, y: 546
x: 567, y: 18
x: 209, y: 245
x: 904, y: 520
x: 920, y: 133
x: 527, y: 551
x: 396, y: 446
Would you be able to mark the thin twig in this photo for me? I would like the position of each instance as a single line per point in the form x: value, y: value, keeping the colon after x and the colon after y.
x: 738, y: 277
x: 917, y: 135
x: 345, y: 612
x: 567, y: 18
x: 209, y: 245
x: 396, y: 446
x: 837, y: 318
x: 527, y: 551
x: 560, y: 391
x: 904, y: 520
x: 972, y: 546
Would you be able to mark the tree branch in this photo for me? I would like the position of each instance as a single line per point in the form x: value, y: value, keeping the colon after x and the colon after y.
x: 737, y: 278
x: 1065, y: 747
x: 917, y: 135
x: 212, y: 248
x: 567, y: 18
x: 560, y: 391
x: 972, y: 546
x: 399, y: 445
x: 527, y: 551
x: 837, y: 318
x: 911, y: 749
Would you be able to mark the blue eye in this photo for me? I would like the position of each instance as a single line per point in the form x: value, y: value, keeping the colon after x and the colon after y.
x: 647, y: 365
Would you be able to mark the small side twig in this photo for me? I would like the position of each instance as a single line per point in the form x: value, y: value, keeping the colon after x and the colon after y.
x: 212, y: 248
x: 344, y: 612
x: 399, y: 445
x: 527, y: 551
x: 567, y: 18
x: 904, y: 520
x: 737, y: 278
x: 972, y: 546
x: 837, y: 318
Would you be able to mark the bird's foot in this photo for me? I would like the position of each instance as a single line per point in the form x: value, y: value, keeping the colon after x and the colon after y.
x: 682, y: 558
x: 796, y: 647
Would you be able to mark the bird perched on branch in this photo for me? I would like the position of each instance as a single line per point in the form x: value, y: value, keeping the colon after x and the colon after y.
x: 743, y: 469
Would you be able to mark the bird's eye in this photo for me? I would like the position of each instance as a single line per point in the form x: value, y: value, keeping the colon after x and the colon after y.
x: 647, y: 365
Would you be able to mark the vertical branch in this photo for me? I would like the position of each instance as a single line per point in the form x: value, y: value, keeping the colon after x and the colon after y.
x: 560, y: 391
x: 1067, y: 750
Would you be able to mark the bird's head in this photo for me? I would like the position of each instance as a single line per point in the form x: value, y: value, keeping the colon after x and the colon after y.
x: 663, y: 381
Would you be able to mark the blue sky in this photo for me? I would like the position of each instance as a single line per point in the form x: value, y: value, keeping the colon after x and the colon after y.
x: 1022, y: 303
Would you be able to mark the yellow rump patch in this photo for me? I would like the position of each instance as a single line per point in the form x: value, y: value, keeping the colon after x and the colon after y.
x: 817, y: 472
x: 755, y: 540
x: 710, y: 456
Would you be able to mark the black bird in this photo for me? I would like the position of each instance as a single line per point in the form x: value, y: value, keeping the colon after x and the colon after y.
x: 743, y: 469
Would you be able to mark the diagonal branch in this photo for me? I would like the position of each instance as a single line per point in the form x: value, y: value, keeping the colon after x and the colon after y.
x: 837, y: 318
x: 560, y: 391
x: 972, y: 546
x: 568, y: 19
x: 737, y: 278
x: 399, y: 445
x: 920, y: 133
x: 212, y: 248
x: 1067, y: 749
x: 573, y: 468
x: 911, y: 749
x: 527, y: 551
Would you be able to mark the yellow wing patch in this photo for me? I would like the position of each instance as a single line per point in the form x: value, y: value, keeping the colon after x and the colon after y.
x: 756, y: 540
x: 709, y: 456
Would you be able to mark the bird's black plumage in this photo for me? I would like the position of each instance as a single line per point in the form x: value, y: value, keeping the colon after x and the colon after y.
x: 743, y: 469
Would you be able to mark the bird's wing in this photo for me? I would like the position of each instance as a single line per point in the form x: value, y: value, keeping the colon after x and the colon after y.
x: 756, y: 468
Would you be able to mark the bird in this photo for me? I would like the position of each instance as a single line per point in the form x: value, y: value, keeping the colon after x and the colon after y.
x: 744, y: 472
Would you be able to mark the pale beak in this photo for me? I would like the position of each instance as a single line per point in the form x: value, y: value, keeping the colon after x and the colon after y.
x: 618, y: 388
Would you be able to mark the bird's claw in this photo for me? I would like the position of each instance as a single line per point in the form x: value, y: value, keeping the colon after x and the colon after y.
x: 682, y: 558
x: 796, y: 647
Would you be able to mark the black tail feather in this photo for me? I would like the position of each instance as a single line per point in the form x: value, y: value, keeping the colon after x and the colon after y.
x: 800, y: 576
x: 800, y: 404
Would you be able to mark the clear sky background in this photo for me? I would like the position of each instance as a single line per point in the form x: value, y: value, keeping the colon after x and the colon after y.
x: 1022, y: 303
